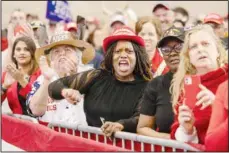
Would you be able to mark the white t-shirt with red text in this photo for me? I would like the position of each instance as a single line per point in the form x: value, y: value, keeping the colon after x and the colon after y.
x: 59, y: 110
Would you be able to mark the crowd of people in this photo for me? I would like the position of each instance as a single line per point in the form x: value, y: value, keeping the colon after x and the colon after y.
x: 129, y: 74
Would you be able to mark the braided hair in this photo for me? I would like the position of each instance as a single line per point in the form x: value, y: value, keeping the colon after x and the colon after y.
x: 142, y: 67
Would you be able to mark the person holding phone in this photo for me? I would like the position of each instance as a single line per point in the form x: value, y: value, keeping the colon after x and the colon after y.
x: 20, y: 74
x: 203, y: 55
x: 156, y: 114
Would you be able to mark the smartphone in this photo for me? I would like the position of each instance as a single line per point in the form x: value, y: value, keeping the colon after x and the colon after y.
x: 191, y: 89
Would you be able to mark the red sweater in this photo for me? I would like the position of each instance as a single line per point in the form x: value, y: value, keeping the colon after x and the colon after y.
x: 156, y: 61
x: 211, y: 81
x: 12, y: 92
x: 217, y: 133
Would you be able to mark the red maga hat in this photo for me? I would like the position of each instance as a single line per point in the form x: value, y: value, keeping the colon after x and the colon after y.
x: 122, y: 33
x: 213, y: 17
x: 71, y: 25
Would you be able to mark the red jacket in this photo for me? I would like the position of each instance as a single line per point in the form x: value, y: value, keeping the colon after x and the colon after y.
x: 156, y: 61
x: 211, y: 81
x: 4, y: 43
x: 12, y: 92
x: 217, y: 133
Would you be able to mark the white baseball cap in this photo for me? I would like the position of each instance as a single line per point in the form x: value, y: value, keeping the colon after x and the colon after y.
x: 118, y: 17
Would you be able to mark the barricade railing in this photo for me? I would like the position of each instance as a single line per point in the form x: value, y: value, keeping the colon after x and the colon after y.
x: 125, y: 140
x: 23, y: 117
x: 25, y: 135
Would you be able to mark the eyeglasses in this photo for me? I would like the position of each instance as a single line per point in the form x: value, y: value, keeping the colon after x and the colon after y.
x: 167, y: 50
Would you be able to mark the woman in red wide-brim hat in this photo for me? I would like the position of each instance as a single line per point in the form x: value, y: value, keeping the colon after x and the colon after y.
x: 112, y: 92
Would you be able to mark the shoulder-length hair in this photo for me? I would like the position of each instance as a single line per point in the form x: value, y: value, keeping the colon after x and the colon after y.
x: 186, y: 68
x: 142, y: 67
x: 145, y: 19
x: 31, y: 48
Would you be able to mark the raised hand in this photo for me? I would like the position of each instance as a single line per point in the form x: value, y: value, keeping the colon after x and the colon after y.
x: 28, y: 31
x: 10, y: 34
x: 70, y: 66
x: 67, y: 67
x: 8, y: 81
x: 14, y: 72
x: 71, y: 95
x: 17, y: 75
x: 205, y: 97
x: 46, y: 71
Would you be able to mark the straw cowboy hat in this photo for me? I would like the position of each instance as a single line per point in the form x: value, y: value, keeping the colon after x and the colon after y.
x: 123, y: 33
x: 65, y: 38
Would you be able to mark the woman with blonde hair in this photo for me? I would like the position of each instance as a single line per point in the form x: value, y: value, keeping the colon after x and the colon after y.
x: 202, y: 55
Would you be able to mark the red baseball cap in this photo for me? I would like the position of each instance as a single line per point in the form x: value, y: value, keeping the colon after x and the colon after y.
x: 122, y: 33
x: 213, y: 17
x: 159, y: 5
x: 71, y: 25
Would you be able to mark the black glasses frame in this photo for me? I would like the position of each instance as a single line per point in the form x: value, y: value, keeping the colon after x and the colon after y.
x: 168, y: 50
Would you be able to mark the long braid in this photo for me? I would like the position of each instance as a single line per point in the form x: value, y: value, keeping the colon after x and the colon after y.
x: 142, y: 67
x: 143, y: 64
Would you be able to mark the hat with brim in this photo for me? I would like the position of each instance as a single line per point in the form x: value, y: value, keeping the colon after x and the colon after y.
x: 65, y: 38
x: 71, y: 25
x: 122, y: 33
x: 213, y: 17
x: 172, y: 33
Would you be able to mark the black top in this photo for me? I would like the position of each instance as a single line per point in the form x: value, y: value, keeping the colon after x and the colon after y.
x: 156, y: 101
x: 22, y: 100
x: 105, y: 97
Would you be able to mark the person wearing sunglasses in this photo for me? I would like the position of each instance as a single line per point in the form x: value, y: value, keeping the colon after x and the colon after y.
x: 156, y: 114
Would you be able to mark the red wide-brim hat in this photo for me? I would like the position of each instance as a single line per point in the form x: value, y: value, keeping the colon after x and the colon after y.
x: 123, y: 33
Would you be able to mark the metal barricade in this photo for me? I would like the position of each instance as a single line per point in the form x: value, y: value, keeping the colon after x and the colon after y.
x: 23, y: 117
x: 126, y: 140
x: 21, y: 135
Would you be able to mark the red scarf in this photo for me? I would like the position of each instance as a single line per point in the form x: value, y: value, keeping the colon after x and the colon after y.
x: 213, y: 79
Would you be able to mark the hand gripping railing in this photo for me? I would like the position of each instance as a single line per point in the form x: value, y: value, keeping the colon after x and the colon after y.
x: 126, y: 140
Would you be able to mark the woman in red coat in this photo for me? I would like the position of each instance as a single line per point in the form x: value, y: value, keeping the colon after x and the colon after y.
x: 18, y: 78
x: 217, y: 133
x: 202, y: 55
